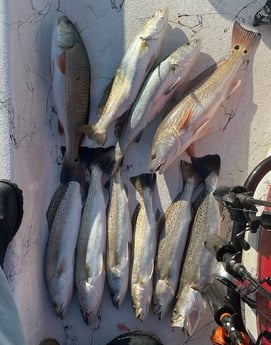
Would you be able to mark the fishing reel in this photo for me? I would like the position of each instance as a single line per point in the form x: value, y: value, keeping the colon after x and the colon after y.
x: 234, y: 274
x: 242, y: 210
x: 263, y: 16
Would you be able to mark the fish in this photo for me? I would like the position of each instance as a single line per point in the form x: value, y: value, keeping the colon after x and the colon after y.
x: 158, y: 89
x: 60, y: 250
x: 136, y: 63
x: 145, y: 237
x: 197, y: 266
x: 174, y: 229
x: 119, y: 228
x: 71, y: 74
x: 91, y: 244
x: 190, y: 119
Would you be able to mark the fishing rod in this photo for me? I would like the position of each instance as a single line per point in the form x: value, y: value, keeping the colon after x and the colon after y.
x: 229, y: 330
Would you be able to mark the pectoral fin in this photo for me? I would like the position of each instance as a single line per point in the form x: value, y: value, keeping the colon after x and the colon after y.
x: 186, y: 119
x: 172, y: 86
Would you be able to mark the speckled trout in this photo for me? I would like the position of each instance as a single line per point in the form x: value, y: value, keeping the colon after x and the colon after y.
x: 197, y: 265
x: 158, y: 89
x: 71, y: 89
x: 119, y: 228
x: 60, y: 251
x: 145, y: 240
x: 173, y: 230
x: 91, y: 246
x: 133, y: 69
x: 190, y: 119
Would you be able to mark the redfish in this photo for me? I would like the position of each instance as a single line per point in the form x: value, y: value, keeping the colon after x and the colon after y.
x: 190, y: 119
x: 70, y: 70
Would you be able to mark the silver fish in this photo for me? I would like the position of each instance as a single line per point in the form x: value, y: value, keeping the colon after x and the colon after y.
x: 135, y: 65
x: 119, y: 229
x: 159, y: 87
x: 145, y: 237
x: 174, y: 229
x: 71, y: 88
x: 91, y: 246
x: 197, y: 265
x: 60, y: 252
x: 190, y: 119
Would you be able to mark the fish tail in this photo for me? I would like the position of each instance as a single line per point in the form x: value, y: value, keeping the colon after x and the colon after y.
x: 72, y: 170
x: 104, y: 158
x: 95, y: 133
x: 143, y: 181
x: 207, y: 164
x: 187, y: 170
x: 243, y: 39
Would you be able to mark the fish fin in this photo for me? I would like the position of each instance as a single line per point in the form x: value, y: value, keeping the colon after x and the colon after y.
x: 191, y: 150
x: 234, y: 86
x: 142, y: 181
x: 202, y: 130
x: 206, y: 164
x: 60, y: 128
x: 172, y: 86
x: 61, y: 62
x: 187, y: 170
x: 72, y: 170
x: 104, y: 98
x: 104, y: 158
x: 94, y: 133
x: 186, y: 119
x: 243, y: 39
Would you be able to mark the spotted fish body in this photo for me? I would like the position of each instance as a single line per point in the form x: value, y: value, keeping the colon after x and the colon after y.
x: 190, y: 119
x: 60, y: 252
x: 91, y: 246
x: 145, y: 240
x: 119, y: 229
x: 71, y: 88
x: 159, y: 87
x: 174, y: 229
x: 135, y: 65
x: 198, y: 262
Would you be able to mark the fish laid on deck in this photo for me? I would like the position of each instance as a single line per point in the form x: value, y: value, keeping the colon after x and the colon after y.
x: 190, y: 119
x: 133, y: 69
x: 71, y: 89
x: 197, y: 265
x: 144, y: 247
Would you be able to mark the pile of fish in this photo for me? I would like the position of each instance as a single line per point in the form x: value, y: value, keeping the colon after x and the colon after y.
x: 93, y: 236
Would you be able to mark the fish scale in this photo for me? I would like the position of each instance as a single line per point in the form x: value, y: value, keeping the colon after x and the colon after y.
x: 145, y: 223
x: 190, y: 119
x: 197, y: 265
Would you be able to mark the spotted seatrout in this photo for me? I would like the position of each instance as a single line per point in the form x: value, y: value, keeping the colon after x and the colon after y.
x: 60, y: 252
x: 197, y: 265
x: 174, y: 228
x: 70, y: 70
x: 119, y: 239
x: 135, y: 65
x: 190, y: 119
x: 158, y: 89
x: 91, y: 246
x: 145, y: 240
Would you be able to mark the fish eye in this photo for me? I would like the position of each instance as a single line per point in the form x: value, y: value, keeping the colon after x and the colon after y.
x: 245, y: 51
x: 153, y: 156
x: 236, y: 47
